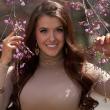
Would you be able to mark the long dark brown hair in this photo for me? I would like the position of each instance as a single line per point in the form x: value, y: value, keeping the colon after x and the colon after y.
x: 73, y: 57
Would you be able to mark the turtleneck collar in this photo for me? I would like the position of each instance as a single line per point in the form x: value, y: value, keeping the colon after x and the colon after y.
x: 46, y: 60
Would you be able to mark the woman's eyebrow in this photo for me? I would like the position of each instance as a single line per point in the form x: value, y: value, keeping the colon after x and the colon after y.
x: 60, y: 26
x: 43, y: 28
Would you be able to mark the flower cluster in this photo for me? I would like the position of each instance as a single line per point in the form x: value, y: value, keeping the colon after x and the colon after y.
x: 94, y: 10
x: 92, y: 27
x: 103, y: 7
x: 96, y: 57
x: 20, y: 2
x: 76, y: 5
x: 95, y: 25
x: 22, y: 53
x: 16, y: 24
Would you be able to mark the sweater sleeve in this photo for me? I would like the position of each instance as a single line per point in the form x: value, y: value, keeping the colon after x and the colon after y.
x: 100, y: 78
x: 6, y: 84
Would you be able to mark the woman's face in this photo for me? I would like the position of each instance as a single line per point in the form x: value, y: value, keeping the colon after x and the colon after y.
x: 50, y: 35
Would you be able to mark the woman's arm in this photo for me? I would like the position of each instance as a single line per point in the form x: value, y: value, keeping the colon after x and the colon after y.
x: 6, y: 85
x: 10, y: 44
x: 100, y: 78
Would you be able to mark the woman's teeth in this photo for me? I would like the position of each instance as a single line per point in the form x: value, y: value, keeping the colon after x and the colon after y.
x: 51, y: 46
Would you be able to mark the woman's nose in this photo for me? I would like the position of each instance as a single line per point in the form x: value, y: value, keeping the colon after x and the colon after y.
x: 52, y: 36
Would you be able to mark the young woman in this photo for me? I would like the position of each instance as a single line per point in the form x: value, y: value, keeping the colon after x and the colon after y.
x: 57, y: 77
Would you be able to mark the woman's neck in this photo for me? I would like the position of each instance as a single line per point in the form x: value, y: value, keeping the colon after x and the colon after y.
x: 50, y: 61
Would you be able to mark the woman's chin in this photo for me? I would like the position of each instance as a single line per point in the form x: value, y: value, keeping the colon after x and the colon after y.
x: 52, y: 54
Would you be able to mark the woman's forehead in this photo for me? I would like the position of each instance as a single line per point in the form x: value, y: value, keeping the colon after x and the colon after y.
x: 49, y: 21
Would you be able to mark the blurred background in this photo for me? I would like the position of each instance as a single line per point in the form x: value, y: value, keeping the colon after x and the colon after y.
x: 22, y: 10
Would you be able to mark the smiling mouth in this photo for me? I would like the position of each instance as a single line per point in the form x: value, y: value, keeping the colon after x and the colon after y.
x: 51, y: 46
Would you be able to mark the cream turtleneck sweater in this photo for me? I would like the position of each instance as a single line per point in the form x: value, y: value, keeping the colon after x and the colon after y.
x: 50, y: 88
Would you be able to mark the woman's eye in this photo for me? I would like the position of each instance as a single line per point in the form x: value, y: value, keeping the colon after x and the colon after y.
x: 43, y: 31
x: 60, y: 30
